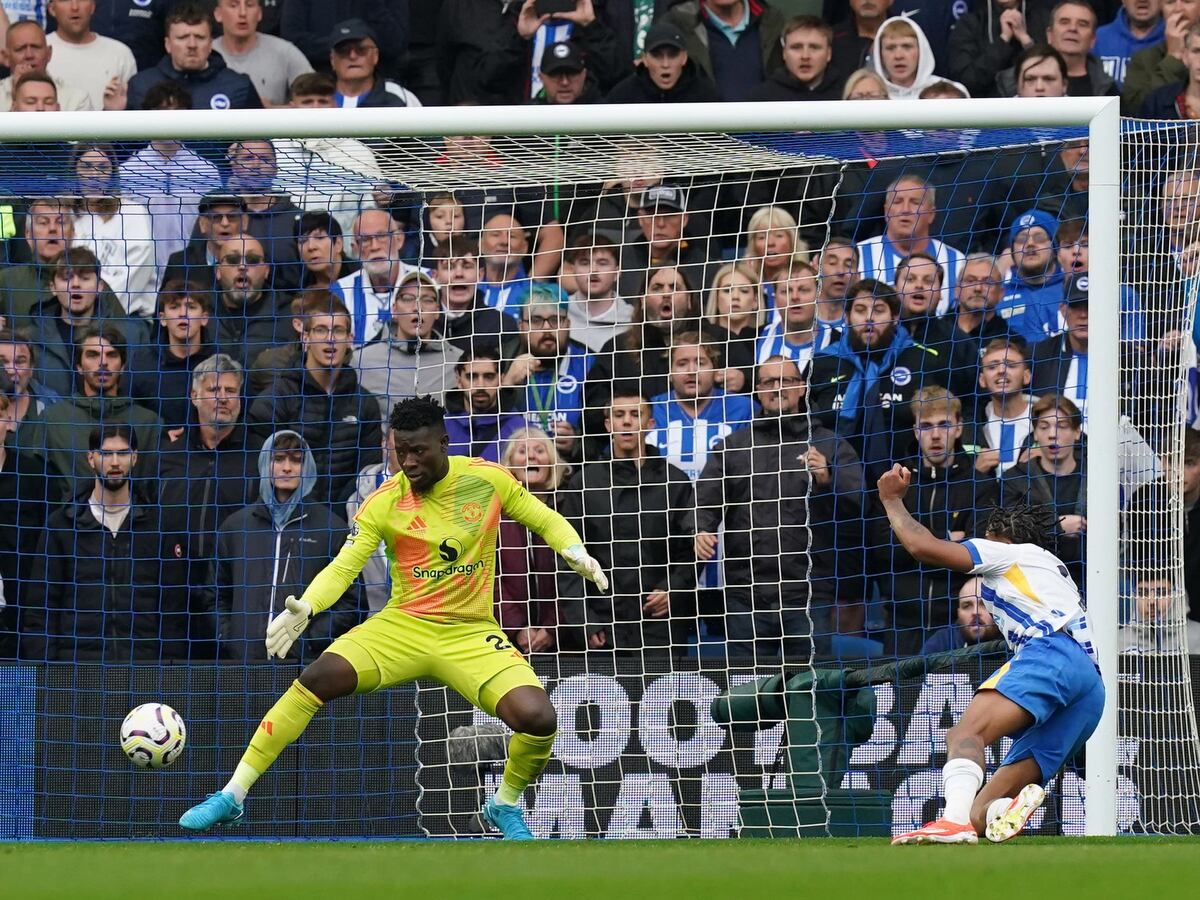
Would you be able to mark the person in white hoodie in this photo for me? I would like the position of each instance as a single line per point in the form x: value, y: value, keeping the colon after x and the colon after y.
x: 903, y: 59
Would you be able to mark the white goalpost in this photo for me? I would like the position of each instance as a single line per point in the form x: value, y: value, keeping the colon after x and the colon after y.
x: 572, y: 145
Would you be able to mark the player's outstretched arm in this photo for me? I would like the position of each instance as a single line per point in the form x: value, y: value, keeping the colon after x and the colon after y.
x: 918, y: 540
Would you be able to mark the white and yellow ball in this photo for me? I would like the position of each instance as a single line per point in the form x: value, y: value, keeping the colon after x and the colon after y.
x: 153, y: 735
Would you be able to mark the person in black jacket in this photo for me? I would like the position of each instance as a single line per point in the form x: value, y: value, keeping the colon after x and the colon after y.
x: 107, y: 584
x: 565, y: 77
x: 635, y: 512
x: 862, y: 385
x: 192, y: 62
x: 162, y: 370
x: 247, y: 316
x: 323, y: 402
x: 664, y: 74
x: 484, y: 48
x: 989, y: 38
x: 24, y: 499
x: 275, y: 548
x: 790, y: 495
x: 467, y: 321
x: 222, y: 217
x: 806, y: 72
x: 206, y: 474
x: 947, y: 496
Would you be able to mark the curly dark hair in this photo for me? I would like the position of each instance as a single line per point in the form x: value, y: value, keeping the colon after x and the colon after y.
x: 1021, y: 523
x: 417, y: 412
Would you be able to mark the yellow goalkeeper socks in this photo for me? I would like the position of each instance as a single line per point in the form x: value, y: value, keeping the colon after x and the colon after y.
x: 527, y: 756
x: 285, y: 721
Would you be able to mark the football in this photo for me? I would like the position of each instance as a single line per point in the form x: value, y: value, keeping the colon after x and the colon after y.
x: 153, y: 735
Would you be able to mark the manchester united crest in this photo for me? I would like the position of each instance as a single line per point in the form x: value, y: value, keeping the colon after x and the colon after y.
x: 472, y: 512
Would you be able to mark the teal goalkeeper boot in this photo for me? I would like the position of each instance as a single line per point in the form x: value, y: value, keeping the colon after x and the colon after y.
x: 216, y: 809
x: 508, y: 820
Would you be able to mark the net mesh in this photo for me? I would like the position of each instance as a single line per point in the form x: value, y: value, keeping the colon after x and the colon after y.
x: 651, y: 334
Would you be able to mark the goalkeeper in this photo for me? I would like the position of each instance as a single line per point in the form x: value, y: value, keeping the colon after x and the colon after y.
x: 438, y: 518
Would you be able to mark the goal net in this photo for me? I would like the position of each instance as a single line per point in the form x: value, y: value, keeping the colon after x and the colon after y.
x: 702, y: 347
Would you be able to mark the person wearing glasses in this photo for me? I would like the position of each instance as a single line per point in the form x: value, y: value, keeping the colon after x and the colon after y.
x: 378, y: 242
x: 321, y: 399
x: 786, y: 489
x: 354, y: 58
x: 222, y: 217
x: 412, y: 360
x: 247, y: 316
x: 946, y: 495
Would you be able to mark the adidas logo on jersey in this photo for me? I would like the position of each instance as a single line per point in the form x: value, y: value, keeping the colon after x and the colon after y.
x: 417, y: 524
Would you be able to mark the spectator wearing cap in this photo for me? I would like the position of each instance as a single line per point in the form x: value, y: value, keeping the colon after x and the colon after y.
x: 271, y: 62
x: 192, y: 62
x: 665, y: 74
x: 806, y: 73
x: 1034, y: 288
x: 565, y: 78
x: 412, y: 359
x: 467, y: 320
x: 489, y: 52
x: 309, y: 23
x: 369, y: 293
x: 29, y: 50
x: 658, y: 239
x: 354, y: 58
x: 168, y: 179
x: 909, y: 210
x: 736, y: 43
x: 1178, y: 99
x: 1060, y: 363
x: 86, y: 61
x: 597, y: 312
x: 221, y: 217
x: 863, y: 384
x: 162, y: 370
x: 988, y: 39
x: 1072, y: 32
x: 319, y: 244
x: 322, y: 400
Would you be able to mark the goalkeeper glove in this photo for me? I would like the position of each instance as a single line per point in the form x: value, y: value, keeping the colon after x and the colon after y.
x: 285, y: 628
x: 579, y: 560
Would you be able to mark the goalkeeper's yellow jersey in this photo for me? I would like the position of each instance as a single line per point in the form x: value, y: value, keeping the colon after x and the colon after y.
x: 441, y: 545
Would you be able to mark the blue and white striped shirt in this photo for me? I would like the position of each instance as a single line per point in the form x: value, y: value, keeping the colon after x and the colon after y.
x: 686, y: 441
x: 879, y: 258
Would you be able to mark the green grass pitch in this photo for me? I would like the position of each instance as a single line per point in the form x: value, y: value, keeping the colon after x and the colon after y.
x: 1126, y: 868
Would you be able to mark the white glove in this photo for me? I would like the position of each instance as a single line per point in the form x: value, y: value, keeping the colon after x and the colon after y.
x: 285, y: 628
x: 578, y: 559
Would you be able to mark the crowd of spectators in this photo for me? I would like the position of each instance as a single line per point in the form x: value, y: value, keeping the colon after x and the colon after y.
x: 706, y: 376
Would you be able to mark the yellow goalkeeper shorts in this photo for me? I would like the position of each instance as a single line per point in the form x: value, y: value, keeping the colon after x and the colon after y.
x: 473, y: 658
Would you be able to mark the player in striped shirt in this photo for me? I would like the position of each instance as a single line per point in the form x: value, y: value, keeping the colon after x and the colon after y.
x: 910, y: 206
x: 438, y: 517
x: 1048, y: 698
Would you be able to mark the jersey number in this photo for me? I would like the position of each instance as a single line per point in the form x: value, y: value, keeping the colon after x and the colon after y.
x: 498, y: 641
